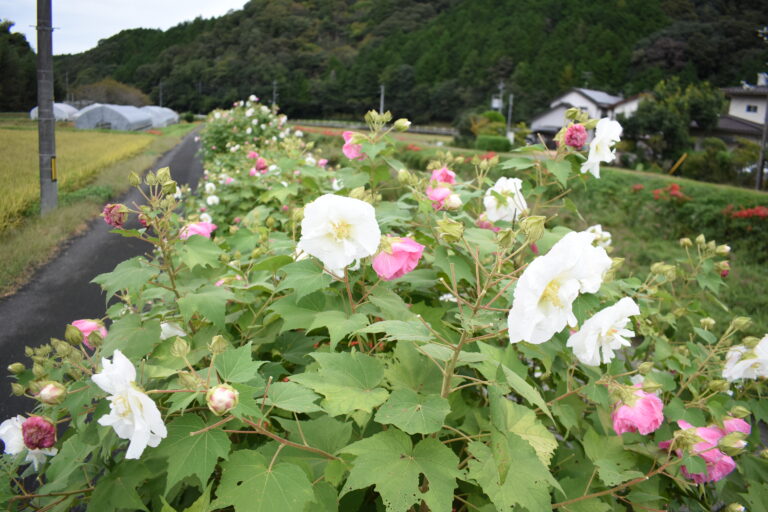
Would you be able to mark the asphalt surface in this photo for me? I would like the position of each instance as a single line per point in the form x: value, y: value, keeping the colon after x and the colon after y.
x: 61, y: 292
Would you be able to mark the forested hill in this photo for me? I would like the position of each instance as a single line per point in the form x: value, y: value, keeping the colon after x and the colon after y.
x: 435, y: 57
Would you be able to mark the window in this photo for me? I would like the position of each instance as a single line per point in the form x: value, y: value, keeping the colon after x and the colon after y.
x: 752, y: 108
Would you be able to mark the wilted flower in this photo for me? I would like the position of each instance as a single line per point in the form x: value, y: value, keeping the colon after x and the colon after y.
x: 576, y: 136
x: 438, y: 195
x: 222, y: 399
x: 351, y: 151
x: 197, y: 228
x: 544, y: 295
x: 605, y: 331
x: 86, y: 327
x: 11, y: 432
x: 744, y: 363
x: 641, y: 412
x: 115, y: 215
x: 38, y: 433
x: 338, y: 231
x: 505, y: 201
x: 607, y: 133
x: 397, y: 257
x: 133, y: 415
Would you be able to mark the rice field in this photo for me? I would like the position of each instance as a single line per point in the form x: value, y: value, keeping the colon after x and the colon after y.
x: 80, y: 155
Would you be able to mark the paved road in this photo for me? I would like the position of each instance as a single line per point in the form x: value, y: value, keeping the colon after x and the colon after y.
x: 61, y: 292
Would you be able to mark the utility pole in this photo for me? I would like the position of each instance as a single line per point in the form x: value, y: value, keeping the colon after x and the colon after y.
x: 160, y: 99
x: 381, y: 99
x: 509, y: 112
x: 761, y: 159
x: 46, y: 124
x: 274, y: 92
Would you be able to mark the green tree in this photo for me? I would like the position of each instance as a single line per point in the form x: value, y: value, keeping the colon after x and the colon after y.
x: 18, y: 86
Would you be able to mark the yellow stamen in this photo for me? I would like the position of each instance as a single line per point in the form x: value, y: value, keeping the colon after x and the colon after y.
x: 551, y: 294
x: 341, y: 230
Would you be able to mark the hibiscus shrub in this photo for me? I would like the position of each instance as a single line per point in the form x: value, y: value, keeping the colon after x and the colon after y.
x: 363, y: 337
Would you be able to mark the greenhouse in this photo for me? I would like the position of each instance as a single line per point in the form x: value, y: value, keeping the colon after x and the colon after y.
x: 113, y: 117
x: 61, y: 111
x: 161, y: 116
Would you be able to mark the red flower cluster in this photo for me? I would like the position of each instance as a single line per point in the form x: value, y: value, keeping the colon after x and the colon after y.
x: 412, y: 147
x: 673, y: 190
x: 487, y: 156
x: 637, y: 187
x: 747, y: 213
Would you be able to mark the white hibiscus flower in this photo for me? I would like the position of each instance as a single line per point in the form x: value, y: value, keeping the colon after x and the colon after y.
x: 544, y: 295
x: 607, y: 133
x: 505, y: 201
x: 212, y: 200
x: 743, y: 363
x: 339, y: 231
x: 133, y: 415
x: 602, y: 238
x: 605, y: 332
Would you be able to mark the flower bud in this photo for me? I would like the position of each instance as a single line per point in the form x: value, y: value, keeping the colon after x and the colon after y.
x: 740, y: 412
x: 719, y: 386
x: 169, y: 187
x: 701, y: 241
x: 218, y: 344
x: 16, y: 368
x: 764, y: 454
x: 645, y: 368
x: 733, y: 443
x: 95, y: 339
x: 686, y: 242
x: 707, y: 323
x: 735, y: 507
x: 741, y: 323
x: 650, y: 385
x: 38, y: 433
x: 685, y: 439
x: 750, y: 341
x: 163, y: 174
x: 180, y: 348
x: 723, y: 250
x: 134, y: 179
x: 52, y: 393
x: 402, y: 124
x: 73, y: 335
x: 453, y: 202
x: 723, y: 265
x: 39, y: 371
x: 506, y: 238
x: 403, y: 176
x: 533, y: 227
x: 17, y: 389
x: 297, y: 214
x: 450, y: 230
x: 188, y: 380
x: 222, y: 399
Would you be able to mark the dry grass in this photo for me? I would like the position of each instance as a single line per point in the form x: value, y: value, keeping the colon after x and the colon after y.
x: 80, y: 156
x: 34, y: 240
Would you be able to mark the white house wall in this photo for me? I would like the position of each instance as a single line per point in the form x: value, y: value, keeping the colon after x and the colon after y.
x: 578, y: 100
x: 627, y: 109
x: 738, y: 108
x: 553, y: 118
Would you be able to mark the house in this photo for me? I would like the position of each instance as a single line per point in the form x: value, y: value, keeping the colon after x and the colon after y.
x: 597, y: 104
x: 749, y: 102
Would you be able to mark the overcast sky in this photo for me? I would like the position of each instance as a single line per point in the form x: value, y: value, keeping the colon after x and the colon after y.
x: 81, y: 23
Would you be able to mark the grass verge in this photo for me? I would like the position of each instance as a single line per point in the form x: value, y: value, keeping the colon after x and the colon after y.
x: 35, y: 240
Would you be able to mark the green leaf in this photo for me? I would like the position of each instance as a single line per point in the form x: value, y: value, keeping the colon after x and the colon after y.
x: 613, y: 462
x: 324, y: 432
x: 273, y: 263
x: 412, y: 370
x: 210, y: 301
x: 237, y: 365
x: 201, y: 505
x: 414, y: 413
x: 129, y: 275
x: 117, y: 489
x: 192, y: 454
x: 134, y: 338
x: 443, y: 353
x: 338, y: 324
x: 522, y: 388
x: 200, y: 251
x: 560, y: 169
x: 523, y: 422
x: 292, y: 397
x: 250, y: 485
x: 400, y: 331
x: 705, y: 335
x: 461, y: 267
x: 517, y: 163
x: 298, y: 314
x: 305, y: 277
x: 510, y: 473
x: 389, y: 461
x: 348, y: 381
